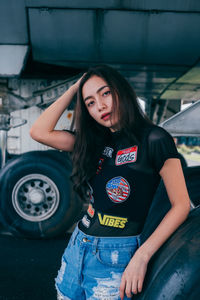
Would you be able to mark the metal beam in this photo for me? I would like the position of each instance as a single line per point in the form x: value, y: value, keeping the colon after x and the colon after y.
x: 186, y: 122
x: 142, y: 5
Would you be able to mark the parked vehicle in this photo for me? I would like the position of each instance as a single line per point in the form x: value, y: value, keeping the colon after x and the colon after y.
x: 36, y: 195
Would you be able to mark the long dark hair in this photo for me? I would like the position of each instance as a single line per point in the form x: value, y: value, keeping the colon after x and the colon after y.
x: 91, y: 137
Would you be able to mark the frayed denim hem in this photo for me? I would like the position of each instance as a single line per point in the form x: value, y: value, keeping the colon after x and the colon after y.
x: 60, y: 296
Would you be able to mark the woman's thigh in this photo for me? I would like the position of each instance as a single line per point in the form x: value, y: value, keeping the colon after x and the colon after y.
x: 102, y: 272
x: 93, y: 270
x: 67, y: 281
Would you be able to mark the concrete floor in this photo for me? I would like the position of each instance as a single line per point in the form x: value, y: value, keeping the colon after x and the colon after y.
x: 28, y: 267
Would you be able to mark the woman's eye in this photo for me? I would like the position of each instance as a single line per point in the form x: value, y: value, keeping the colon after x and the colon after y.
x: 106, y: 93
x: 90, y: 103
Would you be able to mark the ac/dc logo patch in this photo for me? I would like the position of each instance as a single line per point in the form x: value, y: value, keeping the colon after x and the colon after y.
x: 125, y: 156
x: 118, y: 189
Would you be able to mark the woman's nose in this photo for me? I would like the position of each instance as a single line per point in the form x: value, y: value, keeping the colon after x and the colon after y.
x: 101, y: 105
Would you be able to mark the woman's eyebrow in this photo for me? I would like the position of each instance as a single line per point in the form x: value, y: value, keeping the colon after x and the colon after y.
x: 101, y: 88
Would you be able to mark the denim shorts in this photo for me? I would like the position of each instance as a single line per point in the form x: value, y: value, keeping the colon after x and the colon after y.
x: 91, y: 267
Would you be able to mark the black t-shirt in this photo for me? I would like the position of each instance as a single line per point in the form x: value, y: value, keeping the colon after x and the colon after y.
x: 125, y: 182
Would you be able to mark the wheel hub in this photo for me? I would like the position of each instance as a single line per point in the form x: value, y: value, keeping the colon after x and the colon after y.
x: 35, y: 197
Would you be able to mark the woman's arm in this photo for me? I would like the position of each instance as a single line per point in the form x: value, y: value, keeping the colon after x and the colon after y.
x: 172, y: 175
x: 43, y: 128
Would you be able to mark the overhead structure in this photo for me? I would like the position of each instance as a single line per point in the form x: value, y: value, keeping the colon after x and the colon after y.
x: 155, y: 44
x: 12, y: 59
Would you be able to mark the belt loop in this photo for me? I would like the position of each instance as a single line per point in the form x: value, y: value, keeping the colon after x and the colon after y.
x: 94, y: 246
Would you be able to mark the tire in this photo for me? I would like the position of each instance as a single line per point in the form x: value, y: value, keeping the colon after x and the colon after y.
x: 161, y: 204
x: 173, y: 272
x: 8, y: 156
x: 36, y: 196
x: 62, y: 157
x: 192, y: 177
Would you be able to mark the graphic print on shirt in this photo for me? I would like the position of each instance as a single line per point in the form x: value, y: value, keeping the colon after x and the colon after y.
x: 112, y: 221
x: 85, y: 221
x: 90, y: 193
x: 99, y: 167
x: 118, y: 189
x: 125, y: 156
x: 108, y: 152
x: 91, y: 210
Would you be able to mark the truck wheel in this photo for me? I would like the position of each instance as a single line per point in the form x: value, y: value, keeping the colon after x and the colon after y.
x: 173, y: 272
x: 161, y: 204
x: 36, y: 197
x: 192, y: 177
x: 62, y: 157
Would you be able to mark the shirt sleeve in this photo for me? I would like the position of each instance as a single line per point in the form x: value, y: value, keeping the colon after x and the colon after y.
x: 70, y: 131
x: 161, y: 147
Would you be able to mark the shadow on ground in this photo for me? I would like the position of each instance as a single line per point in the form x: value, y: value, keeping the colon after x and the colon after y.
x: 28, y: 267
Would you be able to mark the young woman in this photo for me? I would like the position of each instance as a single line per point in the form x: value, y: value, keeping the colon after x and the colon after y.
x: 119, y: 157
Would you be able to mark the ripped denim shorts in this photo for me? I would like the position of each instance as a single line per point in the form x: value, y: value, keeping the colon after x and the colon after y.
x: 91, y: 267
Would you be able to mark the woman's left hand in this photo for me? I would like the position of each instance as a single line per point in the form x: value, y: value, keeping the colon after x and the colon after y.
x: 133, y: 276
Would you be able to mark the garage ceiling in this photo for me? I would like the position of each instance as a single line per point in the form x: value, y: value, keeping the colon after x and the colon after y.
x: 155, y: 44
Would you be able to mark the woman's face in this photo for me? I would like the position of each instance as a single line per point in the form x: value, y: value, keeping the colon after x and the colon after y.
x: 99, y: 102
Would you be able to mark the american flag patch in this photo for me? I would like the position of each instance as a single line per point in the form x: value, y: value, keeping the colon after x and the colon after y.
x: 118, y: 189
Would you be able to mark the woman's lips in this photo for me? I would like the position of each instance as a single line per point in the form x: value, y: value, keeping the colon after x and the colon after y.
x: 106, y: 117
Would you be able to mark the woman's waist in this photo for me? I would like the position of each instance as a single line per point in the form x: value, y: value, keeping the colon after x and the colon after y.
x: 108, y: 225
x: 105, y: 242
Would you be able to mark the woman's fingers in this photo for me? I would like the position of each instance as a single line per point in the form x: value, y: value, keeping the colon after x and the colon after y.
x: 76, y: 84
x: 128, y: 286
x: 122, y: 287
x: 128, y: 289
x: 134, y: 289
x: 131, y: 284
x: 81, y: 77
x: 133, y: 276
x: 140, y: 284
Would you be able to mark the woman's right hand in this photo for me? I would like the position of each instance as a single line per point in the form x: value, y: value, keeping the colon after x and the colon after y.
x: 75, y: 86
x: 43, y: 129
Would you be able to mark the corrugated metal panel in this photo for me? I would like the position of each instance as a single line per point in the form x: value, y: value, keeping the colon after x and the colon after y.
x: 176, y: 5
x: 134, y: 36
x: 13, y: 22
x: 64, y: 35
x: 114, y: 36
x: 138, y: 37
